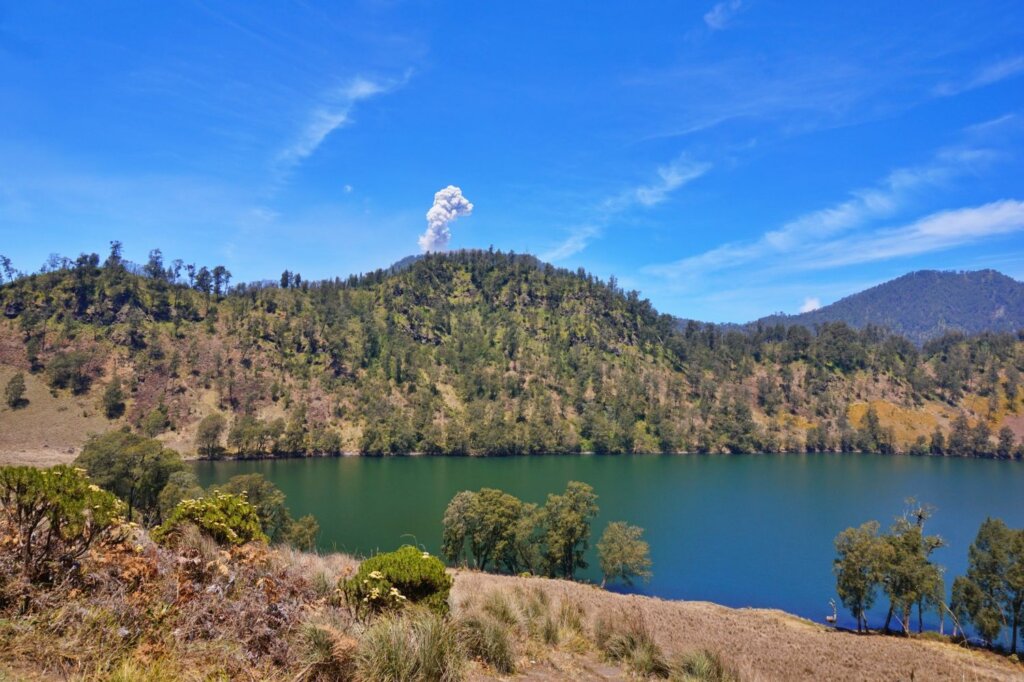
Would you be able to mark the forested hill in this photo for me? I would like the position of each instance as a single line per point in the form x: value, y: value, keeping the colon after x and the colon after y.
x: 472, y: 352
x: 926, y: 304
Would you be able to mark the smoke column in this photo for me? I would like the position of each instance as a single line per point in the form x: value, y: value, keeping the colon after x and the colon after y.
x: 449, y: 204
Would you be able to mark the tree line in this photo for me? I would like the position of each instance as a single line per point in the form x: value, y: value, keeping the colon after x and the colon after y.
x: 493, y: 530
x: 898, y: 564
x: 484, y: 352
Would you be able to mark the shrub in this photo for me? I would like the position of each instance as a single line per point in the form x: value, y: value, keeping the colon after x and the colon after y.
x: 703, y: 666
x: 628, y: 639
x: 387, y: 581
x: 416, y: 645
x: 489, y: 640
x: 226, y: 518
x: 55, y: 515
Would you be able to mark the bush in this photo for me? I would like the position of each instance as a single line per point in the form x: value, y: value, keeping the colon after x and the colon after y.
x: 489, y: 640
x: 628, y: 639
x: 228, y: 519
x: 55, y: 515
x: 703, y: 666
x: 388, y: 581
x: 417, y: 645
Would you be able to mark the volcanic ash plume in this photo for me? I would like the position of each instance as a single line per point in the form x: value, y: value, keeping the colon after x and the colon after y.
x: 449, y: 204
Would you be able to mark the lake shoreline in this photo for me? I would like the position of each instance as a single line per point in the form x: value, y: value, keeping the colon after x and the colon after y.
x: 344, y: 454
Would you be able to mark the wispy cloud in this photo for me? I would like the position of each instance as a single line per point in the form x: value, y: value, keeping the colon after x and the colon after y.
x: 334, y: 112
x: 719, y: 16
x: 987, y: 75
x: 935, y: 232
x: 670, y: 177
x: 864, y: 206
x: 578, y: 239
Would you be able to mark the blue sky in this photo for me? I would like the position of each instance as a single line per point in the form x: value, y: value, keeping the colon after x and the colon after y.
x: 727, y: 159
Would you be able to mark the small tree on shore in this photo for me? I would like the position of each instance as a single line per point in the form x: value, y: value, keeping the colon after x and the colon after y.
x: 14, y: 392
x: 623, y: 554
x: 991, y: 595
x: 567, y: 519
x: 857, y: 566
x: 208, y: 434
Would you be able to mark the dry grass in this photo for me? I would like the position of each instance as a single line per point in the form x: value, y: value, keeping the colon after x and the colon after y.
x: 759, y: 644
x: 49, y: 430
x: 143, y: 612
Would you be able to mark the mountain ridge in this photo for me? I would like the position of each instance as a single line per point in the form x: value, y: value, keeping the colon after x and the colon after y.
x: 925, y: 304
x: 475, y: 352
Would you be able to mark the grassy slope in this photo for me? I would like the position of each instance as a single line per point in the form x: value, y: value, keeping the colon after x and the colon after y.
x: 158, y: 615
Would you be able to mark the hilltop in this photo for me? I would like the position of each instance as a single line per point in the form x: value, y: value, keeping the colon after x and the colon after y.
x: 925, y: 305
x: 475, y: 352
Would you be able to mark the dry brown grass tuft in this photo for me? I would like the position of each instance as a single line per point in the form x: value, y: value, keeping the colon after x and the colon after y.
x: 754, y: 644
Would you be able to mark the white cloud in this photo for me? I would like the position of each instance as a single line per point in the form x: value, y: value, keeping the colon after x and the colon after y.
x: 328, y: 116
x: 864, y: 206
x: 671, y: 177
x: 577, y: 240
x: 719, y: 16
x: 987, y: 75
x: 935, y: 232
x: 810, y: 303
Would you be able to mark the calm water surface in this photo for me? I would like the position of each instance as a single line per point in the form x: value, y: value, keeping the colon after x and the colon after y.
x: 737, y: 530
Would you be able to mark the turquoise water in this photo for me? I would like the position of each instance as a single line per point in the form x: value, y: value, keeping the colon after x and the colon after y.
x: 737, y: 530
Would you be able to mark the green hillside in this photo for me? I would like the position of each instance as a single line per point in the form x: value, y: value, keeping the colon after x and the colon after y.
x: 480, y: 352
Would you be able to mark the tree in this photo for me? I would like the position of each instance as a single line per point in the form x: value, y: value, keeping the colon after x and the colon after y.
x: 859, y: 557
x: 457, y: 524
x: 623, y: 554
x: 567, y: 518
x: 181, y: 485
x: 55, y: 515
x: 991, y: 595
x: 1006, y: 441
x: 113, y: 400
x: 133, y: 467
x: 268, y: 501
x: 208, y: 434
x: 14, y: 392
x: 909, y: 578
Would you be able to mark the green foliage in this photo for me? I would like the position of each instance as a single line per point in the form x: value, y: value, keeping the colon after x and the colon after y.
x: 155, y: 422
x: 181, y: 485
x: 113, y: 400
x: 485, y: 352
x: 14, y: 391
x: 567, y: 518
x: 208, y: 434
x: 68, y: 370
x: 228, y: 519
x: 991, y: 595
x: 387, y: 581
x: 133, y: 467
x: 275, y: 517
x: 55, y: 515
x: 899, y: 562
x: 858, y: 569
x: 623, y: 554
x: 498, y: 531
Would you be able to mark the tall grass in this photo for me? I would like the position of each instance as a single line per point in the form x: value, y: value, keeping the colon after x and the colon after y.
x: 416, y: 646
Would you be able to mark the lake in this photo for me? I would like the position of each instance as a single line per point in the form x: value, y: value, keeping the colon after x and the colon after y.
x: 752, y: 530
